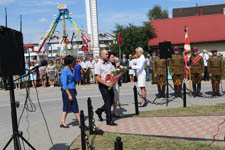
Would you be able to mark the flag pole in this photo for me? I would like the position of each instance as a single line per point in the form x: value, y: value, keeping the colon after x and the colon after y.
x: 187, y: 48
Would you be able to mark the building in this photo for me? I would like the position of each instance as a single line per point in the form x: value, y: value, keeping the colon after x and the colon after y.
x: 205, y: 31
x: 198, y: 10
x: 53, y: 47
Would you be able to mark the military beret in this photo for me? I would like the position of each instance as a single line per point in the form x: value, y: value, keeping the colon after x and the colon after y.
x: 213, y: 50
x: 195, y: 49
x: 175, y: 48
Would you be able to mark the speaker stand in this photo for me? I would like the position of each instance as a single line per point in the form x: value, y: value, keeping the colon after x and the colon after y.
x: 16, y: 134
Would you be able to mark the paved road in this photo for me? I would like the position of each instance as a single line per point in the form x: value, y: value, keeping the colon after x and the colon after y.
x: 33, y: 126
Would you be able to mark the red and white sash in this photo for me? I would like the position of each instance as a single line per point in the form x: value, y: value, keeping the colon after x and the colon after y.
x: 195, y: 60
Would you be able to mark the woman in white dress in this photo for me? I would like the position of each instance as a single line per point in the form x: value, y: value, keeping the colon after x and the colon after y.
x: 139, y: 67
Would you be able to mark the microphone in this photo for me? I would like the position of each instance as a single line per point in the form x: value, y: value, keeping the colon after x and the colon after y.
x: 43, y: 63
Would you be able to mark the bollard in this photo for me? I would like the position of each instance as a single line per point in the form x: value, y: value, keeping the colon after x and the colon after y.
x: 82, y: 128
x: 184, y: 95
x: 136, y: 100
x: 118, y: 145
x: 90, y: 115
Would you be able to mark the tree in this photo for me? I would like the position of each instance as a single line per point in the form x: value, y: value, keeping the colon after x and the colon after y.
x: 157, y: 13
x: 133, y: 37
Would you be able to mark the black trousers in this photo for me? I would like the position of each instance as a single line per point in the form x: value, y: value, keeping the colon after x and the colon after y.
x: 108, y: 97
x: 206, y: 75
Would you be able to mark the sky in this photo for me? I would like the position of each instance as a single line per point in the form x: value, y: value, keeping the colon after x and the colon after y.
x: 38, y: 14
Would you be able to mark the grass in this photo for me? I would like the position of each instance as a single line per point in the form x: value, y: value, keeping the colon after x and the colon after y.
x: 134, y: 142
x: 216, y: 110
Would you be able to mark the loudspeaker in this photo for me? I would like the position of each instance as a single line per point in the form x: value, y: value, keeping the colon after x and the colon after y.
x: 11, y: 52
x: 165, y: 50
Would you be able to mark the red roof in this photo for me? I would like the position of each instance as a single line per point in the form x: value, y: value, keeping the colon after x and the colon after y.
x: 206, y: 28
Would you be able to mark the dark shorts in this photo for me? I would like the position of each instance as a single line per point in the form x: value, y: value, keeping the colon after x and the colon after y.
x: 67, y: 105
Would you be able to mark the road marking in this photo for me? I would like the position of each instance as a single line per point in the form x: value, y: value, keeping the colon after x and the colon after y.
x: 51, y: 100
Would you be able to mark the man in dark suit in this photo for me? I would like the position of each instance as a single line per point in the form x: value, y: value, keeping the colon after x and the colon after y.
x: 124, y: 63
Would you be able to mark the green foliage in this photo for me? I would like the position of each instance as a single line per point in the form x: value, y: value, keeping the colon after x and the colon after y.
x: 157, y: 13
x: 137, y: 36
x: 132, y: 37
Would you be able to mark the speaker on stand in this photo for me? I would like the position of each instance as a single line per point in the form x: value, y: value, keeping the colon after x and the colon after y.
x: 165, y: 52
x: 12, y: 63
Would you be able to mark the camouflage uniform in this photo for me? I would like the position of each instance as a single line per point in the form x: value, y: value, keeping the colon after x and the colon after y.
x: 152, y: 61
x: 177, y: 70
x: 159, y: 69
x: 197, y: 72
x: 215, y: 69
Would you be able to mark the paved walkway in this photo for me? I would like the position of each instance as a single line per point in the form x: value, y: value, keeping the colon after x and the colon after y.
x: 201, y: 127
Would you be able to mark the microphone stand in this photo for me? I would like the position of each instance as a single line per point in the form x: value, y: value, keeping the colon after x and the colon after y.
x: 16, y: 133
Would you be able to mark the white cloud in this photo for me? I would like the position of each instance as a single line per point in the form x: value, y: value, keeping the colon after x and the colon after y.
x: 6, y: 2
x: 43, y: 20
x: 126, y: 17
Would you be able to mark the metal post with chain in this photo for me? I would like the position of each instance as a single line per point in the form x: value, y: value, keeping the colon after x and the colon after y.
x: 93, y: 129
x: 84, y: 137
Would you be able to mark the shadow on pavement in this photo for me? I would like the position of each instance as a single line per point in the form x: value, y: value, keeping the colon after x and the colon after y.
x: 60, y: 146
x: 75, y: 122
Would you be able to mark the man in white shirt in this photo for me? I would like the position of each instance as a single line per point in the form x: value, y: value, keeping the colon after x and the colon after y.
x: 103, y: 74
x: 205, y: 59
x: 91, y: 67
x: 139, y: 66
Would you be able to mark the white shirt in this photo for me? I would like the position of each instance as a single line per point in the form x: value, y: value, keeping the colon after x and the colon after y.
x: 205, y: 58
x: 84, y: 64
x: 91, y: 64
x: 102, y: 69
x: 140, y: 66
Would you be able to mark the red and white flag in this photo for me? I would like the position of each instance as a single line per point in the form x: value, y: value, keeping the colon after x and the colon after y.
x: 187, y: 46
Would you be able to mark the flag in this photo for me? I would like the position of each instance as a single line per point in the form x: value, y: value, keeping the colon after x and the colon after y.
x: 120, y: 39
x: 187, y: 46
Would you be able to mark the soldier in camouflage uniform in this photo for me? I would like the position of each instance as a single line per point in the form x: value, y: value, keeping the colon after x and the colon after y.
x: 177, y: 71
x: 159, y: 69
x: 197, y: 71
x: 152, y: 61
x: 215, y: 69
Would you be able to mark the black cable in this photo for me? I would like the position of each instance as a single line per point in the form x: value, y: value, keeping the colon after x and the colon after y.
x: 214, y: 137
x: 46, y: 124
x: 28, y: 125
x: 28, y: 102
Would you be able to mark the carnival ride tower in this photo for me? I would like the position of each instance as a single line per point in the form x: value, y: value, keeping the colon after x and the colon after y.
x: 63, y: 15
x: 92, y: 25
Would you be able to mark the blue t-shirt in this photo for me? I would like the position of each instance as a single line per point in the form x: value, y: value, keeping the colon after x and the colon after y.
x: 67, y: 78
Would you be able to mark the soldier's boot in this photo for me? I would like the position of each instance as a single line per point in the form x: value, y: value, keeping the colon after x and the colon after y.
x: 218, y: 89
x: 175, y: 89
x: 199, y: 90
x: 163, y: 91
x: 159, y: 91
x: 194, y: 89
x: 213, y: 89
